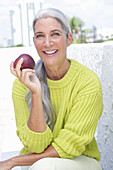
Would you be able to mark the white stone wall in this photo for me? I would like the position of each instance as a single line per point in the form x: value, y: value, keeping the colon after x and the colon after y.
x: 99, y: 58
x: 105, y: 128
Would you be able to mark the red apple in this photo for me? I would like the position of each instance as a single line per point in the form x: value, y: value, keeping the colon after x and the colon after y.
x: 28, y: 61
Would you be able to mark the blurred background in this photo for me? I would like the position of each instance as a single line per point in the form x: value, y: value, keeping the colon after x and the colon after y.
x: 91, y: 21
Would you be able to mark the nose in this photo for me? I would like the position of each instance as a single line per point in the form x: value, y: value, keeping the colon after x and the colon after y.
x: 47, y: 41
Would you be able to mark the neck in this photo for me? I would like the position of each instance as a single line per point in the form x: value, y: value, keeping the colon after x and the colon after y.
x: 58, y: 72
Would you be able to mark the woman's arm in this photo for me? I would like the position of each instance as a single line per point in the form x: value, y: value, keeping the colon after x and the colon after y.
x: 36, y: 121
x: 31, y: 127
x: 28, y: 159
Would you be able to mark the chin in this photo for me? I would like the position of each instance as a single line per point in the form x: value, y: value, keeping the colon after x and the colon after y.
x: 51, y: 63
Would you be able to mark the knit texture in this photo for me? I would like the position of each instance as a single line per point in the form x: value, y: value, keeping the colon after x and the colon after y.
x: 78, y: 104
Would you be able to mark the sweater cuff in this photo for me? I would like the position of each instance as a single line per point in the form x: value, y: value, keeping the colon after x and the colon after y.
x: 33, y: 141
x: 37, y: 135
x: 61, y: 152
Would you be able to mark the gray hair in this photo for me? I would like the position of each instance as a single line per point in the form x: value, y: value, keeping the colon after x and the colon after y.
x: 54, y: 13
x: 49, y: 113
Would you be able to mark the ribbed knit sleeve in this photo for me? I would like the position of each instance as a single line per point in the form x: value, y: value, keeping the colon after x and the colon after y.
x: 32, y: 141
x: 80, y: 126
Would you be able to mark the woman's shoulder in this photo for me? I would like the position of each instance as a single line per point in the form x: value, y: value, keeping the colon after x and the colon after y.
x: 83, y: 70
x: 85, y: 75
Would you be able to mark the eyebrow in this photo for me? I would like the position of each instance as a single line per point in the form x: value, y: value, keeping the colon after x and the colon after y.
x: 56, y: 30
x: 38, y: 32
x: 51, y: 31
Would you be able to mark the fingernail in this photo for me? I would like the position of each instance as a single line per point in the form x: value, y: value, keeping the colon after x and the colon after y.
x: 21, y: 59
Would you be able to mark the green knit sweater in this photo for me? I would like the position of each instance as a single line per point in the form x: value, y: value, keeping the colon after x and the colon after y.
x: 78, y: 104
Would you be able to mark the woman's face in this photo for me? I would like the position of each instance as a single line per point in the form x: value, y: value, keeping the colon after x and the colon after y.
x: 50, y: 41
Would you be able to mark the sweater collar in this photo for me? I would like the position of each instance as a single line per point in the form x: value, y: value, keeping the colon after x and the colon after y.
x: 66, y: 79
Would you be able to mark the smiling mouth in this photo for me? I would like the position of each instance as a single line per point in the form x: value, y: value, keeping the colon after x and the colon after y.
x: 50, y: 52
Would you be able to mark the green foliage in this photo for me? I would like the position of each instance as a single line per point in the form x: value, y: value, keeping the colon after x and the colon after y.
x: 74, y: 41
x: 110, y: 39
x: 18, y: 45
x: 75, y: 24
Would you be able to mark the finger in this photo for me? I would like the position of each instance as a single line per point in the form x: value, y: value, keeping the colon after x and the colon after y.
x: 25, y: 71
x: 26, y: 77
x: 18, y: 67
x: 12, y: 68
x: 28, y: 70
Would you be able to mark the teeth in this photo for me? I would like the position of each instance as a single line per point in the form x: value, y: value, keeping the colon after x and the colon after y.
x: 50, y: 52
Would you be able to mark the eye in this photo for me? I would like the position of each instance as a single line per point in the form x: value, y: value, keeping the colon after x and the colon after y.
x: 55, y: 34
x: 39, y: 36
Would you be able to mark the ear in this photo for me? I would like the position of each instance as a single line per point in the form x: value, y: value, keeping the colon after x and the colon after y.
x: 69, y: 39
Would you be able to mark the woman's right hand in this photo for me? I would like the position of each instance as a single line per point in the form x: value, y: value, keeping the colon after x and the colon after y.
x: 26, y: 76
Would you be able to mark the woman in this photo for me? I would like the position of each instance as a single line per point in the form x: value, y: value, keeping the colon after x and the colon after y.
x: 57, y: 105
